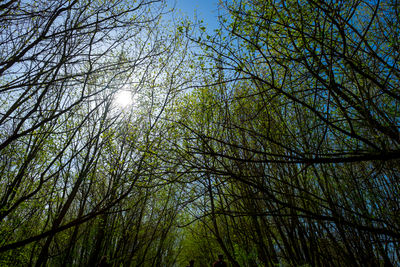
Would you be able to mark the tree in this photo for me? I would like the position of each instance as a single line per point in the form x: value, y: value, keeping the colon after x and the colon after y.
x: 302, y: 114
x: 71, y: 157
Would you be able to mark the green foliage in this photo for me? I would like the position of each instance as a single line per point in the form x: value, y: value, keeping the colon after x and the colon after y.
x: 273, y: 141
x: 296, y: 125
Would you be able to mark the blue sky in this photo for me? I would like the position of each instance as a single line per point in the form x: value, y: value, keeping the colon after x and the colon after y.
x: 205, y: 9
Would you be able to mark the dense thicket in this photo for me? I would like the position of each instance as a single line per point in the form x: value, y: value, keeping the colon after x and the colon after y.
x: 295, y: 139
x: 277, y: 145
x: 77, y: 182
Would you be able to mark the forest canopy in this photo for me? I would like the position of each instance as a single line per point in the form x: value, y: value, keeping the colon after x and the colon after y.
x: 136, y: 137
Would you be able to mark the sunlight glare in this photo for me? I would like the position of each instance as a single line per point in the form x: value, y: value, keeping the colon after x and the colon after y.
x: 123, y: 99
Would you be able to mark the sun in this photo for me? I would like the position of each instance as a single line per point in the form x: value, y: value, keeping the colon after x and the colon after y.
x: 123, y: 99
